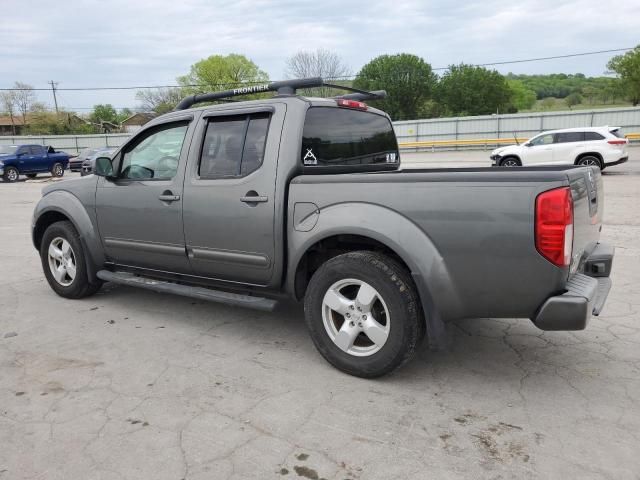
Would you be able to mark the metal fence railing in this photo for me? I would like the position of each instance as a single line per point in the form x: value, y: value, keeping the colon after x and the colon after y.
x: 480, y: 132
x: 447, y: 133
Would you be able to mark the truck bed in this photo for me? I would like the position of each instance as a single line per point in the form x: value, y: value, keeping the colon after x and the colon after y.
x: 481, y: 223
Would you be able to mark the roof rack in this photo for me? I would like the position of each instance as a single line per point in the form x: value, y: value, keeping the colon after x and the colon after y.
x: 284, y: 87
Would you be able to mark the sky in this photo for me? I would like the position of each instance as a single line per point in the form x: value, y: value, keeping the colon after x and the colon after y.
x: 151, y: 42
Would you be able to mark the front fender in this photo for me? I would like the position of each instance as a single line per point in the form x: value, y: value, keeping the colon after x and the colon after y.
x: 67, y: 204
x: 398, y: 233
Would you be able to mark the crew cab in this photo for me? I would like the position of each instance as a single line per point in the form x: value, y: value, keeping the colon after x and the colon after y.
x: 252, y: 202
x: 600, y: 147
x: 29, y: 160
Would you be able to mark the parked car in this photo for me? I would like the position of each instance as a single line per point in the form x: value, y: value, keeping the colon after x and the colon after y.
x: 75, y: 163
x: 245, y: 205
x: 29, y: 160
x: 89, y: 162
x: 590, y: 146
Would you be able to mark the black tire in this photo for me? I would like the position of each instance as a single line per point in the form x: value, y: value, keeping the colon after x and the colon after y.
x: 510, y: 162
x: 31, y: 175
x: 81, y: 286
x: 57, y: 170
x: 11, y: 174
x: 590, y: 161
x: 394, y: 285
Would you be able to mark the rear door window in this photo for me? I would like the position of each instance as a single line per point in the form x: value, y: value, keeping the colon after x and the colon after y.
x: 567, y: 137
x: 347, y: 139
x: 233, y: 146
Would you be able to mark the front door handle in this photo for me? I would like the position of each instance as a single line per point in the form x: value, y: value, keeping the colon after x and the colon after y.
x: 169, y: 197
x: 253, y: 197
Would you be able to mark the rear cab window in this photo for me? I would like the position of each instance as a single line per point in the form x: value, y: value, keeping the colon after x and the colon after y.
x: 37, y: 150
x: 341, y: 139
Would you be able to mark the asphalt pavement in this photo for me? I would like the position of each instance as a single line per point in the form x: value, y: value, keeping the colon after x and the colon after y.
x: 130, y: 384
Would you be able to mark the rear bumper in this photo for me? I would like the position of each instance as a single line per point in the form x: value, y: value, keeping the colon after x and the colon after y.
x: 617, y: 162
x: 585, y: 296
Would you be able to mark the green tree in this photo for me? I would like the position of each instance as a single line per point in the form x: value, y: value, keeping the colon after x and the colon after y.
x: 573, y: 100
x: 627, y: 67
x: 469, y: 90
x: 220, y: 72
x: 548, y: 103
x: 523, y: 98
x: 104, y: 113
x: 408, y: 80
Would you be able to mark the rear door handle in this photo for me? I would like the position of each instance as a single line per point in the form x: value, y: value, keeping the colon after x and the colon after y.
x: 254, y: 199
x: 169, y: 198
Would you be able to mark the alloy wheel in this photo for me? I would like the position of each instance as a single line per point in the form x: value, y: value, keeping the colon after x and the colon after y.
x: 356, y: 317
x: 62, y: 261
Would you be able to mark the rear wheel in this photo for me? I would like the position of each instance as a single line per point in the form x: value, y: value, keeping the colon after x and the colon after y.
x: 590, y: 161
x: 31, y: 175
x: 63, y: 262
x: 11, y: 174
x: 363, y: 313
x: 510, y: 162
x: 57, y: 170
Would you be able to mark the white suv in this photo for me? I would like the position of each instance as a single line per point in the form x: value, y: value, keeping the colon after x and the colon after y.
x: 599, y: 146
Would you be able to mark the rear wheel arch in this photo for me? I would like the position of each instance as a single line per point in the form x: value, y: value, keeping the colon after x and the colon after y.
x: 589, y: 154
x: 331, y: 246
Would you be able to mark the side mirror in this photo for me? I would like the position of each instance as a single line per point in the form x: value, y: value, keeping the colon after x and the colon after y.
x: 527, y: 144
x: 103, y: 167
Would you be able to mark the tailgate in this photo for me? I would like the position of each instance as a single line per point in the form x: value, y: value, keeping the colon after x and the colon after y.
x: 588, y: 208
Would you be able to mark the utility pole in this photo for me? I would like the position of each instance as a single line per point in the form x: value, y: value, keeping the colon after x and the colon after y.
x: 53, y: 90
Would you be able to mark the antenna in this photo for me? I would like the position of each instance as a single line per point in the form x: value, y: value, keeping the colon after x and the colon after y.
x: 284, y: 87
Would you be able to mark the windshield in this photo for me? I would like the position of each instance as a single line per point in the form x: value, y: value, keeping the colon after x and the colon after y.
x: 8, y: 149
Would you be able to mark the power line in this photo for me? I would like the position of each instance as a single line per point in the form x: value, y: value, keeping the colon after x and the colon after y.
x: 350, y: 77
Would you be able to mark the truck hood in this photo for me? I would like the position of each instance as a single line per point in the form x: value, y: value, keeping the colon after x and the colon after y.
x: 69, y: 185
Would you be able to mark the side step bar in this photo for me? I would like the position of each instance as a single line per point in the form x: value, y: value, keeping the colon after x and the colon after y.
x: 201, y: 293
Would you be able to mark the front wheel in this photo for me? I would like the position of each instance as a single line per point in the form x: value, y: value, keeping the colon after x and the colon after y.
x: 363, y: 313
x: 57, y: 170
x: 510, y: 162
x: 11, y: 174
x: 64, y: 264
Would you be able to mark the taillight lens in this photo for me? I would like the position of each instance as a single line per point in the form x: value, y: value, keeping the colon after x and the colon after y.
x: 342, y: 102
x: 554, y: 226
x: 617, y: 142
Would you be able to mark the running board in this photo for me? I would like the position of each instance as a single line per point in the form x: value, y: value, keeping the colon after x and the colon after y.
x: 201, y: 293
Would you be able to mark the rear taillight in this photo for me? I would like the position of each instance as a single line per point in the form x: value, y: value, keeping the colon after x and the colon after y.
x: 618, y: 142
x: 342, y: 102
x: 554, y: 226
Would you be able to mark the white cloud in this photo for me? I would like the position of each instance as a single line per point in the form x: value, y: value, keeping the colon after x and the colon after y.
x: 124, y: 42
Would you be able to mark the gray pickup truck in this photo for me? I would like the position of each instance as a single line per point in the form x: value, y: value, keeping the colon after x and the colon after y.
x: 251, y: 202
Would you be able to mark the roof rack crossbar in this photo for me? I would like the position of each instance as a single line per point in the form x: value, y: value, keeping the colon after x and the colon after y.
x: 284, y: 87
